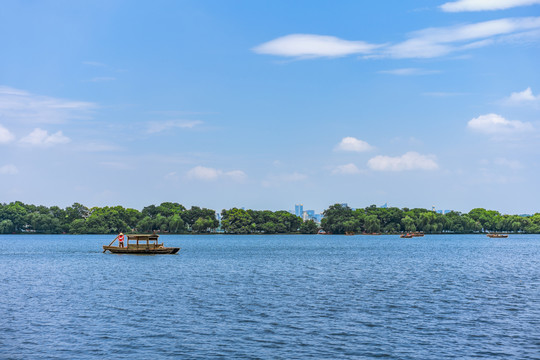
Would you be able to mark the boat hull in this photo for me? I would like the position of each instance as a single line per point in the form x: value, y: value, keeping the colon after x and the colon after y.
x: 141, y: 250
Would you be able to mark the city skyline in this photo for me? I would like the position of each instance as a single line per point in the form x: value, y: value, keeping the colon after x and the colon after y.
x: 259, y: 105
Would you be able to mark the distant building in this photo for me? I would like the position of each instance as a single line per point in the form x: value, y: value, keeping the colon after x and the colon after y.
x: 299, y: 210
x: 308, y: 215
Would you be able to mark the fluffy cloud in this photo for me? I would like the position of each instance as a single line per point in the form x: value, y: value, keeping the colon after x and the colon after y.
x: 21, y: 106
x: 210, y: 174
x: 41, y: 138
x: 408, y: 161
x: 425, y: 43
x: 312, y: 46
x: 347, y: 169
x: 9, y: 170
x: 159, y: 126
x: 352, y: 144
x: 481, y: 5
x: 5, y: 135
x: 496, y: 124
x: 524, y: 97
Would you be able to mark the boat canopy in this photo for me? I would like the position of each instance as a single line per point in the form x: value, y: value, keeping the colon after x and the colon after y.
x: 143, y: 237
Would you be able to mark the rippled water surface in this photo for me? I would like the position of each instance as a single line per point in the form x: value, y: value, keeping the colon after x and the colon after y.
x: 272, y: 297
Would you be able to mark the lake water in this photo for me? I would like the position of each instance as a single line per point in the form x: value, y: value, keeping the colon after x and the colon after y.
x: 272, y: 297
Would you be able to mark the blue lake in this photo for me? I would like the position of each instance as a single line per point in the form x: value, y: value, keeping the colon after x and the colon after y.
x: 272, y: 297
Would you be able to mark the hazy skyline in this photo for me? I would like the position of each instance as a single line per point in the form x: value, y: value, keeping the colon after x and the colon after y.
x: 266, y: 104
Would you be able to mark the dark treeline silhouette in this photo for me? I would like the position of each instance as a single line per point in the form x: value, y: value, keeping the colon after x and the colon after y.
x: 168, y: 217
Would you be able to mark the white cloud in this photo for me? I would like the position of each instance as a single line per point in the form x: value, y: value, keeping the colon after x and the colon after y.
x: 481, y: 5
x: 159, y: 126
x: 409, y: 71
x: 347, y: 169
x: 41, y: 138
x: 353, y: 144
x: 524, y: 97
x: 5, y: 135
x: 408, y: 161
x: 425, y: 43
x: 9, y: 170
x: 210, y: 174
x: 21, y: 106
x: 237, y: 175
x: 203, y: 173
x: 312, y: 46
x: 435, y: 42
x: 496, y: 124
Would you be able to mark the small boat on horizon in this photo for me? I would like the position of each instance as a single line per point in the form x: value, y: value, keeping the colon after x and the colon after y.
x: 139, y: 244
x: 406, y: 236
x: 497, y: 236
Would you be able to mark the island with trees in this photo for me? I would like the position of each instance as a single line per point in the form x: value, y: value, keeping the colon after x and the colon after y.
x: 173, y: 218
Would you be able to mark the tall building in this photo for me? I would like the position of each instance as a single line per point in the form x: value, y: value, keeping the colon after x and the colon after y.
x: 299, y: 210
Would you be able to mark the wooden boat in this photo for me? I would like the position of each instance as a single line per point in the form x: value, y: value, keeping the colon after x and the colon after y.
x: 141, y: 244
x: 498, y: 236
x: 406, y: 236
x: 417, y: 234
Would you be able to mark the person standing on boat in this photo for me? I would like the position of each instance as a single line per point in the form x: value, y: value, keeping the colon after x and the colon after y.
x: 121, y: 240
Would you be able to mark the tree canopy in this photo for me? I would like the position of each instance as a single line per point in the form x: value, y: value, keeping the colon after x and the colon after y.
x: 174, y: 218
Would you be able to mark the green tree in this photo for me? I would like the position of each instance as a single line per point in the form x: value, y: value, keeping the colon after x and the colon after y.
x: 237, y: 221
x: 309, y: 227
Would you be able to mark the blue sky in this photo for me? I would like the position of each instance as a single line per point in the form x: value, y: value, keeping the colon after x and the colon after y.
x: 264, y: 104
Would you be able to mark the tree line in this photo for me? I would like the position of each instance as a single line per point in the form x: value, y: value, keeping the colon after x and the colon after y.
x: 340, y: 219
x: 174, y: 218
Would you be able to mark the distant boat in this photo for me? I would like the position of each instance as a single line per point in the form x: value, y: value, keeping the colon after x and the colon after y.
x: 498, y: 236
x: 417, y: 234
x: 406, y: 236
x: 141, y: 244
